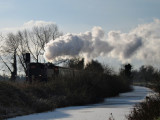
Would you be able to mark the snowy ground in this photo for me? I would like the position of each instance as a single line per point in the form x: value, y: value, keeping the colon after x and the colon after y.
x: 118, y: 106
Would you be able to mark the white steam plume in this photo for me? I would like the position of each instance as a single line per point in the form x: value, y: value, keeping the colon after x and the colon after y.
x: 142, y: 43
x: 125, y: 45
x: 88, y: 45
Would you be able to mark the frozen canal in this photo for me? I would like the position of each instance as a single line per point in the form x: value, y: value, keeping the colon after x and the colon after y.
x: 118, y: 106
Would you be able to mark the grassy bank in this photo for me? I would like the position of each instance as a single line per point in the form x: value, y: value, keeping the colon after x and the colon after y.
x: 22, y: 98
x: 148, y: 109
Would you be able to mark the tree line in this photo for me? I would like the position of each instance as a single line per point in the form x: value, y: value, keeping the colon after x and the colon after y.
x: 146, y: 74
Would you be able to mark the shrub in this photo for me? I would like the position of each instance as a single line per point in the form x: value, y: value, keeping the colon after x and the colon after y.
x: 85, y: 88
x: 147, y: 110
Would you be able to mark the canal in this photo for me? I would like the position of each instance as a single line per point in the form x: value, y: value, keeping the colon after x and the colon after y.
x: 119, y: 107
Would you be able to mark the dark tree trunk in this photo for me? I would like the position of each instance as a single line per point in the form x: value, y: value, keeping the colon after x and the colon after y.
x: 37, y: 59
x: 14, y: 72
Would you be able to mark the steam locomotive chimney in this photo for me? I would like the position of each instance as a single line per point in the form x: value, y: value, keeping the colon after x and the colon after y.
x: 27, y: 58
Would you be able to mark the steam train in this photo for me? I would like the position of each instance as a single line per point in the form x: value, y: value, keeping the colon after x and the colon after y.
x: 47, y: 71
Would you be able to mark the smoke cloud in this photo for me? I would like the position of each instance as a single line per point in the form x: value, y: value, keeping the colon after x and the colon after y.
x: 141, y: 43
x: 88, y: 45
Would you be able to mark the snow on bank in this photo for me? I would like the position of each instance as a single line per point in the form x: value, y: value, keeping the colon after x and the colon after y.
x: 118, y: 106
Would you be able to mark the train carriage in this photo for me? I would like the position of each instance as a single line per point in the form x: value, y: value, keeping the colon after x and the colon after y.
x: 47, y: 71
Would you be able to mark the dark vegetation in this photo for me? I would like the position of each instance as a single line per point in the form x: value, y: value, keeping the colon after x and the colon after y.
x: 147, y: 110
x: 89, y: 87
x: 150, y: 108
x: 147, y: 76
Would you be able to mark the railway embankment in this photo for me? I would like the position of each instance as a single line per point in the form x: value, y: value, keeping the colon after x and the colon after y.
x: 22, y: 98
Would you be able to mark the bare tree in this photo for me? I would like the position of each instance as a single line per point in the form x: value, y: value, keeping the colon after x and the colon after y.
x: 22, y: 49
x: 32, y: 41
x: 39, y: 36
x: 10, y: 49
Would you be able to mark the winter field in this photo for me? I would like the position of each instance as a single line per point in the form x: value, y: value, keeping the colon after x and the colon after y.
x: 118, y: 106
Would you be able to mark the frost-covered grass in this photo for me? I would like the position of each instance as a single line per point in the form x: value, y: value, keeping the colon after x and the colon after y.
x: 113, y: 108
x: 147, y: 110
x: 14, y: 100
x: 22, y: 98
x: 150, y: 108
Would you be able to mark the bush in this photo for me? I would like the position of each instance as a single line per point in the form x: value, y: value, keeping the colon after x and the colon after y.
x: 86, y: 88
x: 147, y: 110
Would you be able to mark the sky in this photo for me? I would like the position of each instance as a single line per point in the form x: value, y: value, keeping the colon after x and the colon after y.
x: 79, y: 16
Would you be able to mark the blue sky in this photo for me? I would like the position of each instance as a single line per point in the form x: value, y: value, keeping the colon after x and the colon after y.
x: 80, y: 15
x: 77, y: 16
